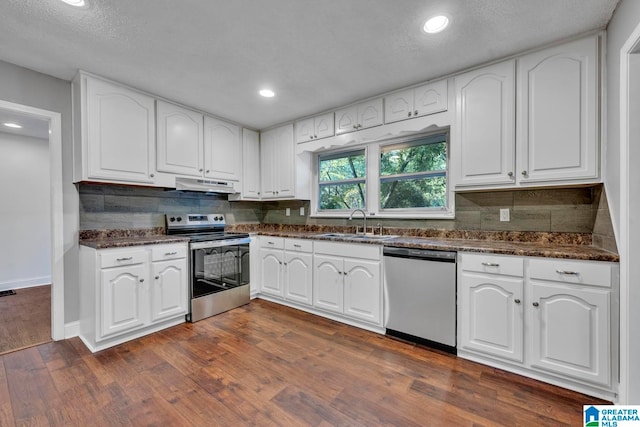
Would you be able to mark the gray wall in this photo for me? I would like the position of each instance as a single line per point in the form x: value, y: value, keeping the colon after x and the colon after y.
x: 22, y: 86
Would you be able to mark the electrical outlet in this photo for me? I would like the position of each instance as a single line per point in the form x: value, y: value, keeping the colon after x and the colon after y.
x: 504, y: 215
x: 287, y: 211
x: 301, y: 210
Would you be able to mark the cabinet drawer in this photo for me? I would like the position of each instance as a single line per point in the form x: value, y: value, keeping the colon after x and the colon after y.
x: 566, y: 271
x: 492, y: 264
x: 118, y: 258
x: 168, y: 252
x: 298, y: 245
x: 271, y: 242
x: 365, y: 251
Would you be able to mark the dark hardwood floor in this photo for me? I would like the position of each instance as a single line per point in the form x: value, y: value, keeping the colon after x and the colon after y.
x: 268, y: 365
x: 25, y: 318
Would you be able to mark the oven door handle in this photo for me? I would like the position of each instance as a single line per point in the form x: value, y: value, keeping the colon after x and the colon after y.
x: 220, y: 243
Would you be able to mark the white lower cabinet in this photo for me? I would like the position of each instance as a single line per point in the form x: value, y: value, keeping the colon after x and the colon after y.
x: 550, y: 318
x: 285, y: 268
x: 130, y: 292
x: 347, y: 280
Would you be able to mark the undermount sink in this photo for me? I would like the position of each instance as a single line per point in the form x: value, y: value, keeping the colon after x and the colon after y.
x: 358, y: 236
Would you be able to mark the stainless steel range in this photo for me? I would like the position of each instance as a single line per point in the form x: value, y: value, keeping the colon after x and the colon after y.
x: 219, y: 264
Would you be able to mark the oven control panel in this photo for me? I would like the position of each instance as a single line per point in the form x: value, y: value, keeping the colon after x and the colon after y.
x: 195, y: 220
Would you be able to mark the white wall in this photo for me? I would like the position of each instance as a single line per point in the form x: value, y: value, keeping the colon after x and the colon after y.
x: 25, y: 212
x: 625, y: 20
x: 22, y: 86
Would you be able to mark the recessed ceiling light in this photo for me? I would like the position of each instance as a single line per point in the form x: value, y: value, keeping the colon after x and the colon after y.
x: 436, y: 24
x: 267, y: 93
x: 13, y: 125
x: 76, y: 3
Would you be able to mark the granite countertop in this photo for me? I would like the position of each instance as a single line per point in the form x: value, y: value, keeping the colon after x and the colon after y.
x: 104, y: 239
x: 548, y: 245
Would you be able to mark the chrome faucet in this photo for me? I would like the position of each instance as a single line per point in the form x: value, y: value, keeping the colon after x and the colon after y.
x: 364, y: 217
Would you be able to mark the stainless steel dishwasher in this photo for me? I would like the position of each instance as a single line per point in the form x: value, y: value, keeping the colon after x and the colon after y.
x: 421, y: 296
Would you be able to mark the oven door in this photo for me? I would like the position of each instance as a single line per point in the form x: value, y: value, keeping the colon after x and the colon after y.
x: 215, y: 269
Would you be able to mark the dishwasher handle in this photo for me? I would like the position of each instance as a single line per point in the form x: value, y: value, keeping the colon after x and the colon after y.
x: 419, y: 254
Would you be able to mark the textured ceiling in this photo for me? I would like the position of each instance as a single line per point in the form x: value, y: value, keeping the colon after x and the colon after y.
x: 214, y: 55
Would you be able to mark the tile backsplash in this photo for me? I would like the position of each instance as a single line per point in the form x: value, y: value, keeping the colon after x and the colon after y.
x: 574, y: 210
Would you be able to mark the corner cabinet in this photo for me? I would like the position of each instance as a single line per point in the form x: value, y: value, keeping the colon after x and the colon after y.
x: 551, y: 319
x: 114, y: 132
x: 130, y: 292
x: 542, y: 130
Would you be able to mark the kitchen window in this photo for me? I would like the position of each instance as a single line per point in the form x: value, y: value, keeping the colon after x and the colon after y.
x: 342, y: 181
x: 396, y: 178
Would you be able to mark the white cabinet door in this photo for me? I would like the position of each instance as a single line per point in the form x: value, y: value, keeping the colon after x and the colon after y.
x: 570, y: 331
x: 398, y: 106
x: 267, y: 164
x: 305, y: 130
x: 222, y: 149
x: 124, y: 301
x: 169, y: 289
x: 362, y: 290
x: 298, y: 276
x: 179, y: 140
x: 346, y: 120
x: 250, y: 164
x: 120, y: 133
x: 484, y: 144
x: 285, y: 162
x: 558, y: 113
x: 324, y: 126
x: 491, y: 315
x: 271, y: 271
x: 328, y: 283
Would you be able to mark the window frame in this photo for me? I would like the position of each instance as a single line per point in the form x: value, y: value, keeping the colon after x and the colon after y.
x: 336, y: 154
x: 372, y: 181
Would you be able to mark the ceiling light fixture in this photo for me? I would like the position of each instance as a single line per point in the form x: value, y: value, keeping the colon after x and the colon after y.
x: 76, y: 3
x: 436, y: 24
x: 267, y: 93
x: 13, y: 125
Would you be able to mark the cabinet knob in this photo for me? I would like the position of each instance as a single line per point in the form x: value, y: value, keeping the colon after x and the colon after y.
x: 535, y: 304
x: 355, y: 126
x: 315, y: 136
x: 409, y: 114
x: 208, y: 171
x: 157, y: 277
x: 510, y: 174
x: 152, y: 175
x: 285, y: 263
x: 141, y: 280
x: 311, y: 137
x: 200, y: 170
x: 359, y: 126
x: 517, y: 301
x: 524, y: 173
x: 415, y: 113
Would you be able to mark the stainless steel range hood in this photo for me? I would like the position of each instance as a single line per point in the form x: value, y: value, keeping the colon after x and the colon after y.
x: 205, y: 185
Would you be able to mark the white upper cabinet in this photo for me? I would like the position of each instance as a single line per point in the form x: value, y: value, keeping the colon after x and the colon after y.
x: 114, y: 133
x: 277, y: 165
x: 315, y: 128
x: 180, y: 140
x: 420, y: 101
x: 222, y: 150
x: 358, y: 117
x: 484, y: 144
x: 555, y: 139
x: 558, y: 113
x: 250, y: 164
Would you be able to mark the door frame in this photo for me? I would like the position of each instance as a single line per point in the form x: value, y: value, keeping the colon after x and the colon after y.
x: 55, y: 186
x: 629, y: 250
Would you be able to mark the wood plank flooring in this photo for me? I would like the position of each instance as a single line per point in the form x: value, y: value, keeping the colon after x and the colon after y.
x: 25, y: 318
x: 268, y: 365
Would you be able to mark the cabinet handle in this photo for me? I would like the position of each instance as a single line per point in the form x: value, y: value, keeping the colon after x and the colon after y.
x: 141, y: 280
x: 517, y: 301
x: 129, y: 258
x: 510, y: 174
x: 297, y: 246
x: 415, y: 113
x: 270, y: 243
x: 524, y: 173
x: 535, y: 304
x: 170, y: 253
x: 157, y: 277
x: 568, y: 273
x: 490, y: 264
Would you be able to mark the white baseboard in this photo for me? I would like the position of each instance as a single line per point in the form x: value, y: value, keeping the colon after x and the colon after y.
x: 25, y: 283
x: 71, y: 329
